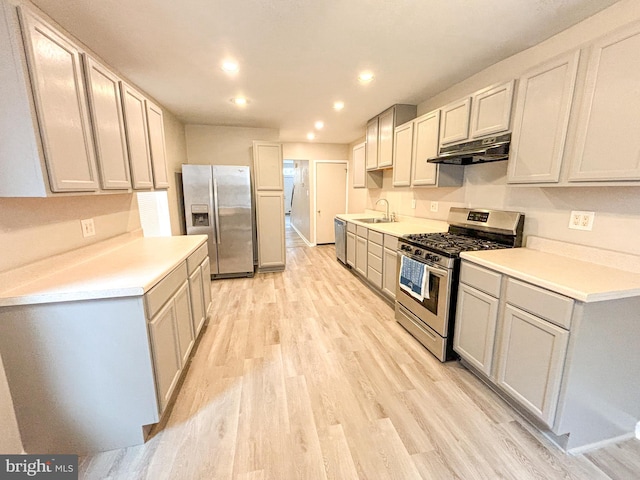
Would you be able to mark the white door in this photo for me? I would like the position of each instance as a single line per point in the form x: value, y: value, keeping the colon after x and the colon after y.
x: 331, y: 198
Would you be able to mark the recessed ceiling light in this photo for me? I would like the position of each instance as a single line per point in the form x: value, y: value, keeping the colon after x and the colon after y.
x: 338, y: 105
x: 365, y: 77
x: 311, y: 136
x: 230, y: 66
x: 319, y: 125
x: 240, y: 101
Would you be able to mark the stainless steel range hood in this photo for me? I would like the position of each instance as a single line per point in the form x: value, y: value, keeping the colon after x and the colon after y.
x: 490, y: 149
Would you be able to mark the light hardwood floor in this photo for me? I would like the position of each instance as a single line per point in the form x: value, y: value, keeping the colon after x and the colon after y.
x: 305, y: 374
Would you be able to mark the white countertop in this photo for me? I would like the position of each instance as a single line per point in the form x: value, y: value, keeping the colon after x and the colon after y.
x: 126, y: 267
x: 583, y: 281
x: 403, y: 227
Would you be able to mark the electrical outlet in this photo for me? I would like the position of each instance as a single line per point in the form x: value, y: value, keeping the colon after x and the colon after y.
x: 88, y: 228
x: 413, y: 203
x: 434, y: 206
x: 581, y: 220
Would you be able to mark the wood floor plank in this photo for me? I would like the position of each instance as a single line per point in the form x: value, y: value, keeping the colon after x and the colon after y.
x: 304, y: 374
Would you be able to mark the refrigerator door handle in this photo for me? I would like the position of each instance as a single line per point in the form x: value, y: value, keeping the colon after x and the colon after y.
x: 215, y: 210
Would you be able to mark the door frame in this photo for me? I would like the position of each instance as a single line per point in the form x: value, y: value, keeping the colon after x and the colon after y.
x: 315, y: 193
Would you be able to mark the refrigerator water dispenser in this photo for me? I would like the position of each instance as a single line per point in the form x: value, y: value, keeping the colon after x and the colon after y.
x: 200, y: 214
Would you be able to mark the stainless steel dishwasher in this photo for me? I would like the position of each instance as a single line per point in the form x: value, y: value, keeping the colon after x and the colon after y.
x: 341, y: 239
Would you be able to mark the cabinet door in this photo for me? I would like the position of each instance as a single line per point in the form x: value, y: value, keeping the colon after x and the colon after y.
x: 608, y: 144
x: 491, y: 110
x: 389, y: 278
x: 425, y: 146
x: 108, y: 125
x: 351, y: 249
x: 386, y: 125
x: 60, y: 101
x: 402, y: 149
x: 270, y: 225
x: 359, y: 167
x: 205, y: 269
x: 372, y: 144
x: 532, y: 356
x: 156, y: 145
x: 454, y: 121
x: 196, y: 293
x: 543, y: 105
x: 267, y: 165
x: 166, y: 358
x: 361, y: 255
x: 135, y: 120
x: 475, y: 328
x: 184, y: 322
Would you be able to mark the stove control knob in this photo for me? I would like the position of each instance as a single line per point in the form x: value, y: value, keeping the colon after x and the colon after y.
x: 418, y: 252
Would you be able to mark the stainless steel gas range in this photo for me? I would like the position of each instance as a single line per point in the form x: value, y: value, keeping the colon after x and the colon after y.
x: 429, y: 267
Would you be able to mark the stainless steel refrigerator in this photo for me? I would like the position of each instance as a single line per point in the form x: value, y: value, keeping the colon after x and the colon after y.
x: 217, y: 202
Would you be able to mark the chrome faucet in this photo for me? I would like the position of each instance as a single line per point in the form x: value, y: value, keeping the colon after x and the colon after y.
x: 386, y: 217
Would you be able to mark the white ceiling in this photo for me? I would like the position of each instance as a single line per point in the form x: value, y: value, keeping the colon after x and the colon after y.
x: 299, y: 56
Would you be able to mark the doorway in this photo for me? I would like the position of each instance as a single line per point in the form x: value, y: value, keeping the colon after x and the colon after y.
x: 330, y: 197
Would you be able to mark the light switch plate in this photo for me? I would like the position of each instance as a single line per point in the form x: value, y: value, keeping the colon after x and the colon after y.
x: 434, y: 206
x: 413, y: 203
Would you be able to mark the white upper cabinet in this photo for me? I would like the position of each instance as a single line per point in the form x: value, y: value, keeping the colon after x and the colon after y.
x: 425, y: 145
x: 386, y: 127
x: 137, y: 140
x: 402, y: 148
x: 454, y: 121
x: 156, y: 145
x: 372, y: 144
x: 60, y: 100
x: 381, y: 133
x: 491, y: 110
x: 108, y: 125
x: 543, y: 106
x: 267, y: 164
x: 608, y: 145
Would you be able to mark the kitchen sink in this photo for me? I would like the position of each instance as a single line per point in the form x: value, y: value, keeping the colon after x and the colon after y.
x: 373, y: 220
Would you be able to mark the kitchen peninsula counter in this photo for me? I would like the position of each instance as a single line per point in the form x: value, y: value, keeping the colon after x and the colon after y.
x: 128, y: 265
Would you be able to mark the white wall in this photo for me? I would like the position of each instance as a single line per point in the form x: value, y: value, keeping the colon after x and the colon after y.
x: 301, y: 199
x: 303, y: 218
x: 214, y: 145
x: 547, y: 209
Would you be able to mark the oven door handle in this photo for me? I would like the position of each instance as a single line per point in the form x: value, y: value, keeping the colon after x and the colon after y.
x: 440, y: 272
x: 436, y: 271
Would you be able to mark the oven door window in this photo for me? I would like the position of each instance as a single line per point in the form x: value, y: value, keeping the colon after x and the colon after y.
x: 431, y: 303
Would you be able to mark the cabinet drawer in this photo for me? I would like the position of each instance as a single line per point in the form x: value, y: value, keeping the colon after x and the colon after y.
x: 362, y: 231
x: 375, y: 237
x: 351, y: 227
x: 374, y: 276
x: 196, y: 258
x: 540, y: 302
x: 374, y: 262
x: 375, y: 249
x: 390, y: 242
x: 161, y: 292
x: 481, y: 278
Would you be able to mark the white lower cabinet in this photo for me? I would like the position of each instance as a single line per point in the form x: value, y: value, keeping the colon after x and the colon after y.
x: 166, y: 359
x: 516, y: 334
x: 351, y: 249
x: 374, y: 258
x: 205, y: 271
x: 361, y: 255
x: 389, y: 266
x: 475, y: 328
x: 532, y: 357
x: 197, y: 298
